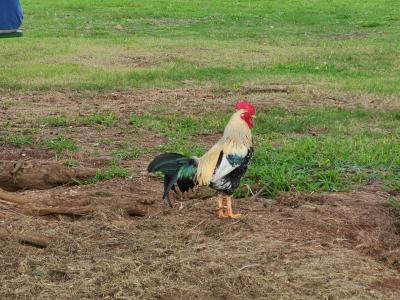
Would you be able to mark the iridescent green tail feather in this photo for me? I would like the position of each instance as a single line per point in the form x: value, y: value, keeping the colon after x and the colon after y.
x: 178, y: 170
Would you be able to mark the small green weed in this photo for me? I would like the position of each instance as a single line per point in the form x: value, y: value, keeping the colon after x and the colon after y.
x: 129, y: 152
x: 114, y: 171
x: 71, y: 163
x: 55, y: 121
x: 19, y: 140
x: 108, y: 119
x: 105, y: 142
x: 61, y: 144
x: 395, y: 203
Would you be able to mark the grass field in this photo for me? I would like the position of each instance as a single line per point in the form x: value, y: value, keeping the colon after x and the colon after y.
x: 110, y: 84
x: 125, y: 44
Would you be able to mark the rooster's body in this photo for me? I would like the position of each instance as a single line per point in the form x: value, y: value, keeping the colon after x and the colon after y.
x: 221, y: 167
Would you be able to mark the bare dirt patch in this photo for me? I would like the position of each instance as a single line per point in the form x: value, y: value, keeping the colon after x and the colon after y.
x: 302, y: 246
x: 189, y: 101
x: 10, y: 153
x: 334, y: 245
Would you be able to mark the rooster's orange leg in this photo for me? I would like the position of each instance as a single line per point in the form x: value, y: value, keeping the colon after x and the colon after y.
x: 220, y: 207
x: 229, y: 212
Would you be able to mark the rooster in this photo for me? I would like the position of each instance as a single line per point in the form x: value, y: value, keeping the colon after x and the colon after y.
x: 221, y: 168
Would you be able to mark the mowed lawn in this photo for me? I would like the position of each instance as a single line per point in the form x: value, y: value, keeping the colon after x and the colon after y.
x: 329, y: 46
x: 121, y: 44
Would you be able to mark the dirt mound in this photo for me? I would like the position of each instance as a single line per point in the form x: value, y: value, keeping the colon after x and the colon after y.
x: 36, y: 174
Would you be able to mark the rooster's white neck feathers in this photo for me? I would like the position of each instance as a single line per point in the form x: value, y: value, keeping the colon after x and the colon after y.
x: 237, y: 139
x: 237, y: 131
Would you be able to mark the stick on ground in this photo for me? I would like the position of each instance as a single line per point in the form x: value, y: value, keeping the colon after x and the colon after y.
x: 69, y: 211
x: 25, y: 239
x: 10, y: 197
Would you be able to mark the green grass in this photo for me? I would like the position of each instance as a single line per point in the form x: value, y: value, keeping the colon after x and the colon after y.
x: 120, y: 44
x: 61, y: 144
x: 19, y: 141
x: 314, y: 149
x: 395, y: 203
x: 71, y: 163
x: 180, y: 125
x: 324, y: 163
x: 310, y: 150
x: 55, y: 121
x: 129, y: 152
x: 114, y: 171
x: 107, y: 119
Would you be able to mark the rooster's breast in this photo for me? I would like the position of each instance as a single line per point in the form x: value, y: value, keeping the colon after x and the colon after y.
x: 231, y: 181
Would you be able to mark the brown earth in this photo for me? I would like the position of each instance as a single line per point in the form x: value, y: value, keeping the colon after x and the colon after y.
x: 299, y: 246
x: 188, y: 100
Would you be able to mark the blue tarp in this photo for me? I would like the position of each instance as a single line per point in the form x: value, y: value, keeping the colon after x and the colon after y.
x: 11, y: 15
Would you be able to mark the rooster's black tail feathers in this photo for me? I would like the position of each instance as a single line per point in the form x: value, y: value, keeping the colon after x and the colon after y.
x: 177, y: 169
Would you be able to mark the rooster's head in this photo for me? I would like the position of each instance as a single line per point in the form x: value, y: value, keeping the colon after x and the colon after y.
x: 248, y: 114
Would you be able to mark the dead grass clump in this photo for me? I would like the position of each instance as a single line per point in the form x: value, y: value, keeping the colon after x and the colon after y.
x: 360, y: 220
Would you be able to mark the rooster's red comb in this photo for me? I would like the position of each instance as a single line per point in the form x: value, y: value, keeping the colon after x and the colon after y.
x: 247, y: 106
